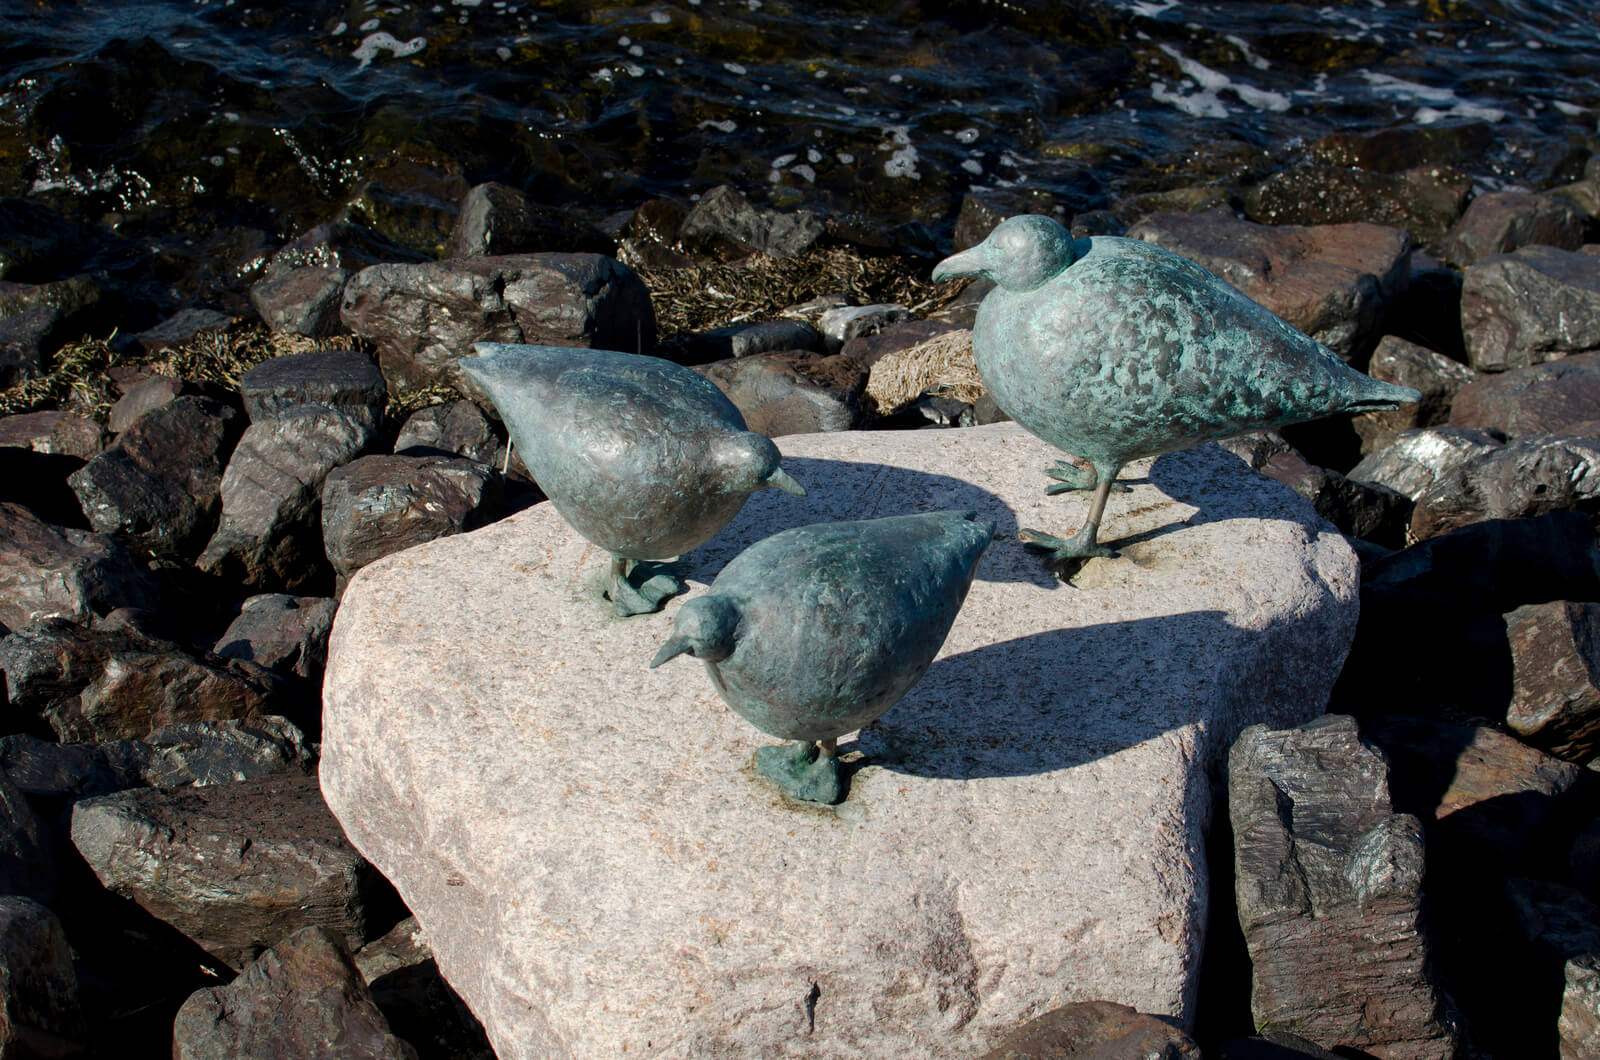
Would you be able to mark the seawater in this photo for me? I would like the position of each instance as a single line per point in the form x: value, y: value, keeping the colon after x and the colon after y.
x: 232, y: 111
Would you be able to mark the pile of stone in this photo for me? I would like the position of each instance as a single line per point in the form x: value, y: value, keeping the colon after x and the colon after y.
x: 1416, y: 874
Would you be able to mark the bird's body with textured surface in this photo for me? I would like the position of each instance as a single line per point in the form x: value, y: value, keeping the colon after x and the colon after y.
x: 1113, y: 349
x: 814, y: 632
x: 643, y: 457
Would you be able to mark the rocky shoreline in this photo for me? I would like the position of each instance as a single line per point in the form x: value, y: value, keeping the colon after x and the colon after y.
x: 1413, y: 875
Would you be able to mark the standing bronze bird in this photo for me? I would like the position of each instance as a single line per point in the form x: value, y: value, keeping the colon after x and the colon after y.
x: 1113, y: 349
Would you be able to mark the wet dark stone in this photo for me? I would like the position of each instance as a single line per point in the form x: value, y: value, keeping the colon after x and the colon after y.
x: 1502, y: 221
x: 867, y: 350
x: 286, y: 634
x: 1529, y: 476
x: 849, y: 323
x: 303, y: 301
x: 1102, y: 1030
x: 497, y: 219
x: 412, y: 203
x: 337, y: 379
x: 1426, y: 202
x: 424, y: 318
x: 1359, y: 509
x: 27, y: 866
x: 1405, y: 147
x: 1436, y: 376
x: 183, y: 326
x: 238, y: 866
x: 1415, y: 460
x: 270, y: 535
x: 458, y: 428
x: 376, y: 505
x: 37, y: 319
x: 54, y: 432
x: 724, y: 224
x: 48, y: 570
x: 793, y: 393
x: 338, y: 245
x: 158, y: 486
x: 1536, y: 304
x: 1328, y: 875
x: 1543, y: 399
x: 1336, y: 283
x: 741, y: 340
x: 47, y: 770
x: 40, y: 1015
x: 35, y: 241
x: 975, y: 220
x: 301, y: 999
x: 1555, y: 658
x: 419, y: 1005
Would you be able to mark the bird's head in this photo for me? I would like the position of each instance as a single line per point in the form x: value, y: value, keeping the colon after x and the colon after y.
x: 1019, y: 255
x: 706, y: 627
x: 749, y: 462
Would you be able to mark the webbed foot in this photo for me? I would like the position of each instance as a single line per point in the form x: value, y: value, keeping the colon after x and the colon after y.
x: 1070, y: 477
x: 640, y: 588
x: 1081, y: 545
x: 804, y: 771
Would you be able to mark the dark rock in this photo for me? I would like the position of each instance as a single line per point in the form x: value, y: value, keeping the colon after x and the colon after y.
x: 458, y: 428
x: 867, y: 350
x: 1329, y: 876
x: 1491, y: 802
x: 1416, y: 459
x: 929, y: 410
x: 26, y: 865
x: 656, y: 221
x: 424, y: 318
x: 1527, y: 477
x: 725, y: 224
x: 1555, y: 698
x: 336, y: 379
x: 1425, y: 201
x: 286, y: 634
x: 37, y: 319
x: 845, y: 323
x: 339, y: 245
x: 419, y: 1005
x: 741, y: 340
x: 149, y: 393
x: 53, y: 432
x: 496, y: 219
x: 1436, y: 376
x: 410, y: 202
x: 1583, y: 196
x: 1536, y: 304
x: 1360, y: 509
x: 39, y: 1011
x: 270, y: 536
x: 35, y: 241
x: 1275, y: 1046
x: 236, y: 867
x: 303, y: 301
x: 1502, y: 221
x: 1578, y: 1027
x: 301, y: 1000
x: 50, y: 571
x: 1101, y: 1030
x: 1405, y: 147
x: 1091, y: 223
x: 975, y: 220
x: 159, y: 485
x: 1543, y: 399
x: 381, y: 504
x: 793, y: 393
x: 1256, y: 448
x: 184, y: 326
x: 1430, y: 312
x: 1334, y: 282
x: 224, y: 752
x: 48, y: 770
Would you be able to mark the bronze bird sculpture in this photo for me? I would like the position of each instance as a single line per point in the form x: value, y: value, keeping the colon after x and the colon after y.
x: 814, y: 632
x: 643, y: 457
x: 1114, y: 349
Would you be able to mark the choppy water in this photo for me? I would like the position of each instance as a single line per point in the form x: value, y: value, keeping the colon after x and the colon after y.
x: 187, y: 115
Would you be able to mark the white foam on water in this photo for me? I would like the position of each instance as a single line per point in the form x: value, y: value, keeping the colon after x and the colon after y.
x: 1571, y: 110
x: 783, y: 160
x: 902, y: 161
x: 805, y: 171
x: 966, y: 136
x: 727, y: 126
x: 1436, y: 104
x: 1249, y: 56
x: 973, y: 166
x: 846, y: 158
x: 374, y: 43
x: 1151, y: 8
x: 660, y: 18
x: 735, y: 68
x: 1206, y: 101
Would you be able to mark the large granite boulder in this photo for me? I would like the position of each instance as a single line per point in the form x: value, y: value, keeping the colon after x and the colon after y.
x: 1025, y: 829
x: 424, y: 318
x: 1336, y: 283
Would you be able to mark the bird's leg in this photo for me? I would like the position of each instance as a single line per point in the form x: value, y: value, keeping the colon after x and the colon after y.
x: 636, y: 589
x: 1084, y: 543
x: 806, y: 771
x: 1070, y: 477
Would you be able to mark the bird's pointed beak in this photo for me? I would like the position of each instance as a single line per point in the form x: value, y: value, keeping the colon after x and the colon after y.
x: 969, y: 262
x: 670, y: 650
x: 780, y: 479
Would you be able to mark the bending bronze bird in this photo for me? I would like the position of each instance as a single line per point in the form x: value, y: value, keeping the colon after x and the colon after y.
x: 1114, y: 349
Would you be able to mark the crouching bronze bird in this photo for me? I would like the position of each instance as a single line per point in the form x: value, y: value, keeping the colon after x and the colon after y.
x: 814, y: 632
x: 1113, y: 349
x: 642, y: 456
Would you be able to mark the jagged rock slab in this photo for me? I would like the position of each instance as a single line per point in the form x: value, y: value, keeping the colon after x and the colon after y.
x: 599, y: 872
